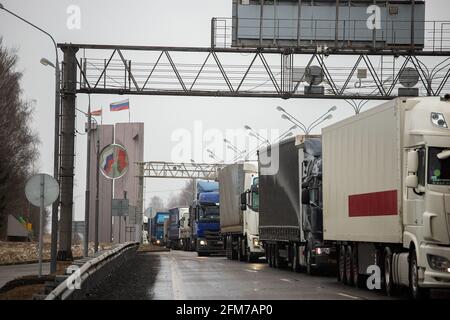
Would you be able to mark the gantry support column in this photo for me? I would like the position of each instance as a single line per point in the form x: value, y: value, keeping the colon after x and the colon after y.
x: 67, y: 152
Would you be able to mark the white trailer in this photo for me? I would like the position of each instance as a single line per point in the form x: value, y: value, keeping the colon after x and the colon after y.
x: 386, y: 194
x: 239, y: 223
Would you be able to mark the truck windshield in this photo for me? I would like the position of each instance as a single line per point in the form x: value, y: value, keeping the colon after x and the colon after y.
x: 438, y: 169
x: 209, y: 212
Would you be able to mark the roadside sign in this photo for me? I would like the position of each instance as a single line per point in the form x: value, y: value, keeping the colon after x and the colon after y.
x: 113, y: 161
x: 119, y: 207
x: 41, y: 190
x: 33, y: 189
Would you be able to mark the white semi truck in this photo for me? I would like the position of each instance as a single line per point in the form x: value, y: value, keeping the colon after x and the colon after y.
x: 386, y: 194
x: 239, y: 222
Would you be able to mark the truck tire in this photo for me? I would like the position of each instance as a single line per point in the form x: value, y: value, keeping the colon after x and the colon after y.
x: 348, y: 265
x: 388, y: 283
x: 202, y: 254
x: 228, y: 247
x: 341, y: 265
x: 416, y: 292
x: 357, y: 278
x: 240, y: 255
x: 268, y: 248
x: 234, y: 254
x: 295, y: 258
x: 309, y: 268
x: 250, y: 256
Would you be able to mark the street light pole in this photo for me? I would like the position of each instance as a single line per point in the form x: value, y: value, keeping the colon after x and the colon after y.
x: 88, y: 182
x: 55, y: 206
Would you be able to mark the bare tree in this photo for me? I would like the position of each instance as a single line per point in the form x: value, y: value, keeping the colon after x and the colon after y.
x: 156, y: 203
x: 18, y: 143
x: 184, y: 198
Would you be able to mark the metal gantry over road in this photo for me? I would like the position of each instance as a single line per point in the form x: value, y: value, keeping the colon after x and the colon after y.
x: 260, y: 72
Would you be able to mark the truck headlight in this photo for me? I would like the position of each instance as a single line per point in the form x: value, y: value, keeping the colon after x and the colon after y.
x: 158, y: 242
x: 256, y: 242
x: 438, y: 120
x: 438, y: 263
x: 202, y: 242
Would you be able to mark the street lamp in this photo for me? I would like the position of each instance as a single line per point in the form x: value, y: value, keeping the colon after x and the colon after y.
x: 55, y: 206
x: 255, y: 134
x: 306, y: 129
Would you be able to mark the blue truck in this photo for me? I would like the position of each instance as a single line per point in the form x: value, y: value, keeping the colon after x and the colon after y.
x: 157, y: 228
x: 205, y: 219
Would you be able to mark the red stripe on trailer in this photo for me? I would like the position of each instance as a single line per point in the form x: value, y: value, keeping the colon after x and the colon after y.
x: 372, y: 204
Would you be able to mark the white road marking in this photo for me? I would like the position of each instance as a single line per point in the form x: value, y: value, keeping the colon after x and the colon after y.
x: 248, y: 270
x: 286, y: 280
x: 348, y: 296
x: 176, y: 282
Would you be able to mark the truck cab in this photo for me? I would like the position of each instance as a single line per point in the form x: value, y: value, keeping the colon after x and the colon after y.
x: 426, y: 197
x: 318, y: 254
x: 205, y: 217
x: 158, y: 228
x: 250, y: 208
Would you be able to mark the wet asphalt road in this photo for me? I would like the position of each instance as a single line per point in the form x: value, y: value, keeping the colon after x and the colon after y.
x: 183, y: 275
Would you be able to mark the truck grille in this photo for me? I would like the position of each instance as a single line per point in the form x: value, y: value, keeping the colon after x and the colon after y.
x: 212, y: 235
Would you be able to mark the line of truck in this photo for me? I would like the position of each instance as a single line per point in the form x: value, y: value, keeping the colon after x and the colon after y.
x: 369, y: 198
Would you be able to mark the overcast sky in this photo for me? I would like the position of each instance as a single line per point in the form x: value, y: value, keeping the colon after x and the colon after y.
x: 142, y: 22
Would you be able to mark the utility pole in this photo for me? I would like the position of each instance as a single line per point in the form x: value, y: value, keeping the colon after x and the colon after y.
x: 67, y: 152
x: 88, y: 183
x: 97, y: 192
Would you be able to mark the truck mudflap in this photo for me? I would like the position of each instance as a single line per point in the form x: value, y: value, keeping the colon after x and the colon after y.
x: 437, y: 270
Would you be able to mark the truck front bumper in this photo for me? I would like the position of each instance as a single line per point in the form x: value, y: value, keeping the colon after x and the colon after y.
x: 255, y: 246
x: 325, y: 258
x: 210, y: 246
x: 433, y: 278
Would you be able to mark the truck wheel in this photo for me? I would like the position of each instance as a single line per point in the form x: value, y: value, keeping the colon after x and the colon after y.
x: 295, y: 259
x: 416, y: 292
x: 250, y: 257
x: 309, y: 268
x: 357, y: 279
x: 240, y: 255
x: 269, y: 254
x: 341, y: 265
x: 228, y: 247
x: 348, y: 265
x: 388, y: 282
x: 234, y: 254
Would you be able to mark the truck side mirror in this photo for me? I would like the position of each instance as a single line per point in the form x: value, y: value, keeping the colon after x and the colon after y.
x: 412, y: 181
x: 243, y: 201
x: 413, y: 161
x: 305, y: 196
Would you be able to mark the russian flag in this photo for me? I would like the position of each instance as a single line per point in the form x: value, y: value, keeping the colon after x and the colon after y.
x: 121, y: 105
x: 96, y: 112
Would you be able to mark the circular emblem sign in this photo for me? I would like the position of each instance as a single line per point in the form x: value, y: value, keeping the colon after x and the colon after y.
x: 114, y: 161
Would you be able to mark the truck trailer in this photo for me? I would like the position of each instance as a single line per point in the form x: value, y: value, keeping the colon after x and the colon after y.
x: 239, y: 222
x: 290, y: 207
x: 178, y: 218
x: 386, y: 194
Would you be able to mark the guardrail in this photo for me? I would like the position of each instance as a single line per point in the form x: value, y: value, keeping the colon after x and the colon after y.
x: 80, y: 279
